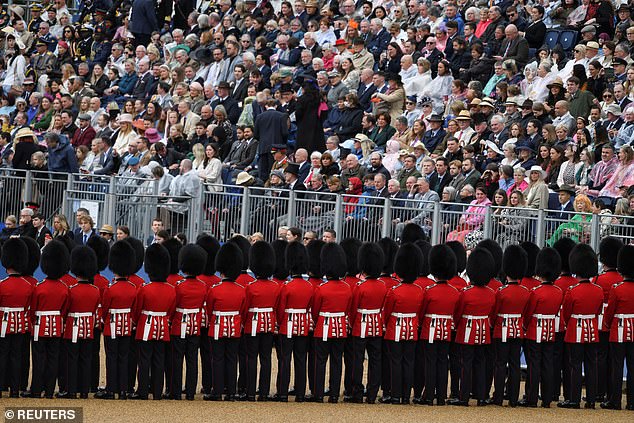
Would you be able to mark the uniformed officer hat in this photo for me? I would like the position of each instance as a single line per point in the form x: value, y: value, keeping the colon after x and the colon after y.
x: 83, y: 262
x: 333, y: 261
x: 370, y: 259
x: 34, y: 255
x: 173, y: 247
x: 279, y: 248
x: 515, y: 262
x: 425, y: 247
x: 192, y: 259
x: 564, y: 246
x: 625, y: 261
x: 261, y: 259
x: 548, y: 264
x: 278, y: 147
x: 531, y: 250
x: 406, y: 262
x: 157, y: 263
x: 244, y: 245
x: 139, y: 252
x: 296, y: 258
x: 583, y: 262
x: 101, y: 12
x: 609, y: 250
x: 351, y: 248
x: 229, y: 260
x: 496, y: 251
x: 36, y: 8
x: 40, y: 43
x: 122, y: 259
x: 211, y: 247
x: 55, y: 260
x: 314, y: 257
x: 480, y: 267
x: 411, y: 233
x: 443, y: 262
x: 101, y: 248
x: 389, y: 247
x: 461, y: 255
x: 15, y: 255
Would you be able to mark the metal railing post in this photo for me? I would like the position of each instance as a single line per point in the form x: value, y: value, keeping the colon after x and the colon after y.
x: 436, y: 224
x: 290, y: 220
x: 540, y: 230
x: 28, y: 187
x: 244, y: 211
x: 339, y: 216
x: 387, y: 218
x: 488, y: 214
x: 595, y: 232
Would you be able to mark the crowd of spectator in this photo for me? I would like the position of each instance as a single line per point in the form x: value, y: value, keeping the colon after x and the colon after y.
x: 466, y: 102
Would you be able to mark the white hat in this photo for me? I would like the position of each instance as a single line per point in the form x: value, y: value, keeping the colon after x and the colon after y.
x: 243, y: 178
x: 493, y: 146
x: 125, y: 118
x: 536, y: 168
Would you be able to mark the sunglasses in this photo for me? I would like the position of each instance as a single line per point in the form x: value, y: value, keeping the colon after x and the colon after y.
x: 307, y: 238
x: 607, y: 96
x: 577, y: 51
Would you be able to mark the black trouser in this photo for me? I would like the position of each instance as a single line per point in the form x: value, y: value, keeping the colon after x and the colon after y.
x: 507, y: 355
x: 373, y: 347
x: 454, y: 367
x: 133, y: 361
x: 603, y: 366
x: 419, y: 369
x: 25, y: 366
x: 168, y: 371
x: 11, y: 361
x: 473, y: 360
x: 95, y: 363
x: 260, y: 345
x: 585, y: 354
x: 224, y: 353
x: 386, y: 375
x: 151, y: 356
x: 62, y: 371
x: 184, y: 348
x: 539, y: 359
x: 436, y: 364
x: 242, y: 366
x: 265, y: 164
x: 311, y: 362
x: 79, y: 365
x: 489, y: 354
x: 333, y: 349
x: 117, y: 355
x: 348, y: 358
x: 560, y: 367
x: 45, y: 365
x: 205, y: 359
x: 401, y: 356
x: 297, y: 346
x: 620, y: 352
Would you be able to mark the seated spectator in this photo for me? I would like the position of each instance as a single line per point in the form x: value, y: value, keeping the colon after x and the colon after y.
x: 472, y: 218
x: 512, y: 223
x: 623, y: 174
x: 578, y: 227
x: 10, y: 228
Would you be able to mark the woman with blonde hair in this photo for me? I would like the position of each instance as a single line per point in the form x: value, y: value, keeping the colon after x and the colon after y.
x: 578, y: 227
x: 61, y: 228
x: 537, y: 191
x: 126, y: 134
x: 199, y: 156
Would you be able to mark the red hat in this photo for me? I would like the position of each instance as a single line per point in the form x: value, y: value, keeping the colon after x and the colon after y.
x: 63, y: 44
x: 341, y: 42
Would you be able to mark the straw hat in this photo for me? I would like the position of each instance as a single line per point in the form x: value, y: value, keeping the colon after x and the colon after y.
x: 243, y: 178
x: 25, y: 133
x: 464, y: 115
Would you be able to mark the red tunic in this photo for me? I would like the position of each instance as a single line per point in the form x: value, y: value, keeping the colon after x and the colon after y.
x: 293, y: 309
x: 582, y: 304
x: 436, y: 312
x: 506, y: 317
x: 472, y: 315
x: 69, y: 280
x: 101, y: 283
x: 400, y: 312
x: 494, y: 284
x: 424, y: 282
x: 83, y: 301
x: 15, y: 297
x: 174, y: 278
x: 564, y: 282
x: 155, y: 305
x: 389, y: 281
x: 209, y: 280
x: 530, y: 283
x: 136, y: 280
x: 190, y: 298
x: 48, y: 308
x: 619, y: 314
x: 226, y: 307
x: 366, y: 319
x: 544, y: 302
x: 458, y: 283
x: 279, y: 281
x: 331, y: 304
x: 606, y: 281
x: 262, y: 296
x: 118, y: 303
x: 244, y: 279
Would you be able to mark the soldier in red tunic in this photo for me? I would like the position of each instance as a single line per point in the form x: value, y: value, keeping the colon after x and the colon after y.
x: 48, y: 310
x: 560, y: 351
x: 471, y: 318
x: 458, y: 282
x: 351, y: 248
x: 280, y: 277
x: 423, y: 281
x: 262, y: 296
x: 619, y: 319
x: 211, y: 247
x: 436, y: 314
x: 400, y: 314
x: 185, y: 332
x: 366, y: 321
x: 581, y: 308
x: 15, y: 297
x: 226, y: 308
x: 461, y: 263
x: 315, y: 278
x: 539, y: 316
x: 173, y: 247
x: 154, y: 306
x: 294, y: 321
x: 506, y: 320
x: 529, y: 281
x: 389, y: 247
x: 117, y: 304
x: 331, y: 305
x: 33, y: 264
x: 608, y: 253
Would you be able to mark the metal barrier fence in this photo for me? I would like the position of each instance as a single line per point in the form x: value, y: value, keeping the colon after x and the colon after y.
x: 224, y: 211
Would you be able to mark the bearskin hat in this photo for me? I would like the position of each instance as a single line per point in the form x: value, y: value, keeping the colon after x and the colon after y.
x: 139, y: 252
x: 314, y: 256
x: 101, y: 248
x: 496, y: 252
x: 55, y: 260
x: 609, y: 251
x: 192, y: 259
x: 371, y: 259
x: 122, y: 259
x: 279, y: 248
x: 157, y: 263
x: 333, y: 261
x: 15, y: 255
x: 425, y: 247
x: 262, y: 259
x: 515, y: 262
x: 83, y: 262
x: 461, y: 255
x: 244, y: 246
x: 173, y: 247
x: 211, y: 247
x: 412, y: 233
x: 34, y: 255
x: 229, y: 260
x: 351, y: 248
x: 625, y: 261
x: 443, y: 263
x: 296, y: 258
x: 389, y: 247
x: 584, y: 263
x: 531, y: 250
x: 407, y: 262
x: 548, y: 264
x: 480, y: 267
x: 564, y: 246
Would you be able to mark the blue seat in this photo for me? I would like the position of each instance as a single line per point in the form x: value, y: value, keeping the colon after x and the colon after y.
x: 568, y: 39
x: 552, y: 38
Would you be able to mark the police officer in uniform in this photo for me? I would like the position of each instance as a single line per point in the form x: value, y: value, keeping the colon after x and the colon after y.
x: 84, y: 45
x: 101, y: 47
x: 36, y: 18
x: 43, y: 61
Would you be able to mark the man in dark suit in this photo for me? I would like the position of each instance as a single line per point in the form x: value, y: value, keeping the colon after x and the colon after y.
x: 144, y: 82
x: 514, y: 47
x: 379, y: 40
x: 230, y: 105
x: 86, y: 230
x: 432, y: 54
x: 291, y: 174
x: 41, y: 231
x: 81, y: 212
x: 168, y: 158
x: 535, y: 32
x: 441, y: 178
x: 85, y: 133
x: 366, y: 89
x: 434, y: 136
x: 249, y: 150
x: 271, y: 127
x: 241, y: 83
x: 566, y: 203
x: 301, y: 158
x: 109, y: 160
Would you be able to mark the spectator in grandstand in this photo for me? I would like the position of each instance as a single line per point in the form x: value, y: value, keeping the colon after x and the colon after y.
x: 577, y: 227
x: 472, y: 218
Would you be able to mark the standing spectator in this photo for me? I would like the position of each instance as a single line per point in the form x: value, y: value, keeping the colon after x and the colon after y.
x: 271, y: 127
x: 61, y: 156
x: 143, y: 21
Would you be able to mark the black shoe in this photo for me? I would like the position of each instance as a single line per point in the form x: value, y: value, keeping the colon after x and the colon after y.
x: 29, y: 394
x: 370, y: 401
x: 440, y: 402
x: 327, y: 392
x: 62, y: 395
x: 426, y: 402
x: 569, y: 404
x: 264, y: 398
x: 167, y: 395
x: 103, y: 395
x: 123, y: 395
x: 231, y: 398
x: 483, y: 403
x: 385, y: 399
x: 189, y: 397
x: 607, y: 405
x: 279, y: 398
x: 347, y: 398
x: 333, y: 400
x: 513, y: 404
x: 212, y: 397
x: 405, y: 401
x: 629, y: 407
x: 545, y: 404
x: 456, y: 401
x: 250, y: 398
x: 525, y: 403
x: 312, y: 398
x: 300, y: 399
x: 291, y: 392
x: 491, y: 401
x: 48, y: 396
x: 589, y: 405
x: 137, y: 396
x: 176, y: 397
x: 417, y: 400
x: 15, y: 394
x: 83, y: 395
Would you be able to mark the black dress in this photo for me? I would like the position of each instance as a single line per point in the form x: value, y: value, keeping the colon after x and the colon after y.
x: 310, y: 130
